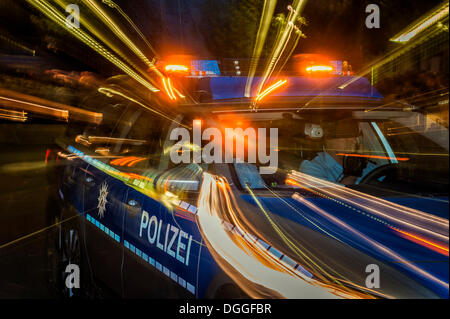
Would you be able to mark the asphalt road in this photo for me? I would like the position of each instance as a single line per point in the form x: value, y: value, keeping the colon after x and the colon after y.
x: 24, y: 226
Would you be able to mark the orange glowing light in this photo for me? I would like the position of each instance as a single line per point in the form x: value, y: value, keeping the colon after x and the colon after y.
x: 292, y: 182
x: 319, y: 68
x: 437, y: 248
x: 130, y: 160
x: 171, y: 88
x: 168, y: 87
x: 270, y: 89
x: 375, y: 156
x: 176, y: 68
x: 134, y: 162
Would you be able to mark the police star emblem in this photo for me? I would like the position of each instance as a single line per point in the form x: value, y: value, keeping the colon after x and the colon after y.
x: 102, y: 200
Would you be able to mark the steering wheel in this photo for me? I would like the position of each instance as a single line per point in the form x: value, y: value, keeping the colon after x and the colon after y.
x: 387, y: 170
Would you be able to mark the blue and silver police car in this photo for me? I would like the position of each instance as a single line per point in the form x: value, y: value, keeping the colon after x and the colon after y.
x: 354, y: 203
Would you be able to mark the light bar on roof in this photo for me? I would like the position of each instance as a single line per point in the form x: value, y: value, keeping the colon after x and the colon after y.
x: 204, y: 68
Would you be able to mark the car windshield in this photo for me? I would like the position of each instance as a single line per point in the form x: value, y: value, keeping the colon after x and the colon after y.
x: 404, y: 152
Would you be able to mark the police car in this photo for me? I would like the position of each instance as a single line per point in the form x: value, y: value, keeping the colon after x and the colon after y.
x: 130, y: 216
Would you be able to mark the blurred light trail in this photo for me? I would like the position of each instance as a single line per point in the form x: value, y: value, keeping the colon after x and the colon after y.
x: 99, y: 34
x: 421, y: 25
x: 47, y: 154
x: 282, y: 41
x: 23, y: 47
x: 19, y: 116
x: 319, y: 68
x: 413, y: 99
x: 176, y: 68
x: 249, y: 264
x: 374, y: 156
x: 114, y: 140
x: 25, y: 102
x: 270, y: 89
x: 427, y: 224
x: 395, y: 53
x: 134, y: 162
x: 127, y: 161
x: 418, y: 132
x: 34, y: 108
x: 438, y: 248
x: 169, y: 83
x: 117, y: 31
x: 320, y: 273
x: 60, y: 19
x: 168, y: 88
x: 264, y: 25
x: 123, y: 14
x: 110, y: 92
x: 372, y: 243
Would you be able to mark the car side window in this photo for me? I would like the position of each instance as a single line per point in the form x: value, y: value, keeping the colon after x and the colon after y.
x: 140, y: 138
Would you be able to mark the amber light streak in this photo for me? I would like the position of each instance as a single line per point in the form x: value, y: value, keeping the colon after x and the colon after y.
x: 176, y: 68
x: 319, y: 68
x: 270, y: 89
x: 256, y: 277
x: 239, y: 231
x: 13, y: 115
x: 282, y: 41
x: 422, y: 25
x: 129, y: 161
x: 60, y: 19
x: 168, y: 87
x: 433, y: 227
x: 264, y: 25
x: 438, y: 248
x: 374, y: 244
x: 401, y: 159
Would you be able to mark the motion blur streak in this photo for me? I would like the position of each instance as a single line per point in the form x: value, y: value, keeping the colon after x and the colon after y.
x: 415, y: 38
x: 243, y: 262
x: 422, y: 25
x: 110, y: 91
x: 401, y: 213
x: 374, y: 156
x: 270, y: 89
x: 266, y: 18
x: 24, y: 102
x: 434, y: 226
x: 13, y: 115
x: 318, y: 68
x: 381, y: 248
x: 60, y: 19
x: 169, y: 83
x: 176, y: 68
x: 321, y: 273
x: 429, y: 244
x: 167, y: 87
x: 117, y: 31
x: 126, y: 17
x: 281, y: 44
x: 35, y: 108
x: 258, y: 272
x: 98, y: 33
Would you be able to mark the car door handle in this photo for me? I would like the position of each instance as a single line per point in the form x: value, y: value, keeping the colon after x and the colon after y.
x: 89, y: 181
x: 133, y: 207
x: 133, y: 203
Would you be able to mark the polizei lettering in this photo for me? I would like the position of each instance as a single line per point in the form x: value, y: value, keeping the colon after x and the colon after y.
x: 170, y: 239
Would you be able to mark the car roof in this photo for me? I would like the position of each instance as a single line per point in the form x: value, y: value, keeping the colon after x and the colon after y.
x: 233, y: 87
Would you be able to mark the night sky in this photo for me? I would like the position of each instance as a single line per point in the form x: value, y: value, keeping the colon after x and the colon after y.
x: 335, y: 28
x: 227, y: 28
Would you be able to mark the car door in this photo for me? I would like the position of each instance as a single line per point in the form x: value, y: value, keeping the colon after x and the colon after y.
x: 104, y: 196
x: 161, y: 238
